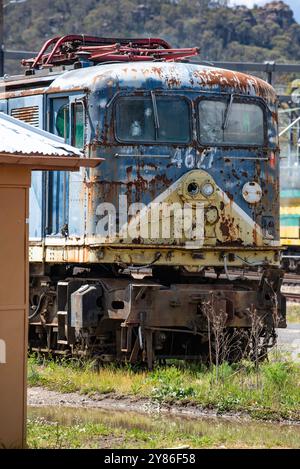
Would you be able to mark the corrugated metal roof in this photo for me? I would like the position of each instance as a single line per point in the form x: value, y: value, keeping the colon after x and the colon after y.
x: 19, y: 138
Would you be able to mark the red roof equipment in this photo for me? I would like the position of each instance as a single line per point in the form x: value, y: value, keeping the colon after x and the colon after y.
x: 66, y: 50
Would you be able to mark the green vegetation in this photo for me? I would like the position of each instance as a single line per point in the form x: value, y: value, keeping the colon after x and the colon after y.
x: 293, y: 313
x: 222, y: 33
x: 94, y: 428
x: 271, y: 392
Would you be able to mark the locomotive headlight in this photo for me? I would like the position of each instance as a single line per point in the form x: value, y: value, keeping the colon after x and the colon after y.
x: 193, y: 188
x: 252, y: 192
x: 207, y: 189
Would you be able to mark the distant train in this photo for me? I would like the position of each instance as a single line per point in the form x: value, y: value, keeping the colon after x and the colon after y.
x: 290, y: 228
x: 290, y: 184
x: 131, y: 261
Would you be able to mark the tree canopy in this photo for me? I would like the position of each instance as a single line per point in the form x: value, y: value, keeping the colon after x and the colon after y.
x: 222, y: 33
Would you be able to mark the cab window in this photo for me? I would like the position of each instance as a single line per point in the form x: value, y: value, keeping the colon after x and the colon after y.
x: 154, y: 119
x: 62, y: 121
x: 78, y: 125
x: 230, y: 122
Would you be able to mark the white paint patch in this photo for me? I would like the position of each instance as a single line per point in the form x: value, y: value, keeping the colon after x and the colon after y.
x: 2, y: 351
x: 102, y: 103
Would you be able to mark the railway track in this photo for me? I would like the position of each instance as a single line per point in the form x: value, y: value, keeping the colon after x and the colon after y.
x: 291, y: 287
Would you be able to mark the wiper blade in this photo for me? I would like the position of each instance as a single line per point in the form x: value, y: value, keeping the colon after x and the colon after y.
x: 227, y: 112
x: 156, y: 119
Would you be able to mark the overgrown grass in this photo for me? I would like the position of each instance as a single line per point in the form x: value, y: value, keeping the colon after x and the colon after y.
x: 271, y: 392
x: 73, y: 375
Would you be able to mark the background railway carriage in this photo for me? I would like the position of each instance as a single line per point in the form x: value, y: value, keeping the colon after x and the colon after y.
x: 171, y: 132
x: 289, y: 182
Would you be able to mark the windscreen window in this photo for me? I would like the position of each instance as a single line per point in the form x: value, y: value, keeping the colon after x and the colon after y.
x: 153, y: 119
x: 230, y: 122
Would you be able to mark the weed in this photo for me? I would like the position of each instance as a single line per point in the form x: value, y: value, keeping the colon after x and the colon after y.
x: 277, y: 373
x: 169, y: 384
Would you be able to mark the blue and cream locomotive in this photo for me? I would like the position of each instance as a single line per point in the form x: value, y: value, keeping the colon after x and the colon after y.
x: 134, y: 260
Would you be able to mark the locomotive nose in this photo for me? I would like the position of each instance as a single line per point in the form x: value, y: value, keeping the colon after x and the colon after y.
x: 196, y: 208
x: 225, y: 221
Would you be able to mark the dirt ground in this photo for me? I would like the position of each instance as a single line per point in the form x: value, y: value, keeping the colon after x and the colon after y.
x: 41, y: 397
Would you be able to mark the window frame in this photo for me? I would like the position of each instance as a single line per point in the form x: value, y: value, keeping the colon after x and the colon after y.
x: 73, y: 104
x: 67, y: 123
x: 240, y: 99
x: 147, y: 94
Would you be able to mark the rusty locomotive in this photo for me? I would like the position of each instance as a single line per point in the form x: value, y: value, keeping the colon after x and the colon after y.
x: 118, y: 270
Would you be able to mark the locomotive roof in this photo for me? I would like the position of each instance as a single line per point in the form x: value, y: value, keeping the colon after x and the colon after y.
x: 162, y: 75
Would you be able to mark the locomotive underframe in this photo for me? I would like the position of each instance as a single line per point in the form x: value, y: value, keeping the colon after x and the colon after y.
x: 134, y: 320
x: 54, y: 251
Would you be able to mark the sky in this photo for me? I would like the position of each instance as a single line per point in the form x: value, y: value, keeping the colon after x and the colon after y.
x: 294, y: 4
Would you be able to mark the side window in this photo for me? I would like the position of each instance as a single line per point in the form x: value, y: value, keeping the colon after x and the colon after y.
x: 62, y: 121
x: 57, y: 182
x: 78, y: 125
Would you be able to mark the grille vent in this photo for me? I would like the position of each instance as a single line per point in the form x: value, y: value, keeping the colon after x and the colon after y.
x: 29, y: 114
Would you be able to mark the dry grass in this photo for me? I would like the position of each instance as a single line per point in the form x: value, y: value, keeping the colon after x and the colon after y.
x: 69, y: 376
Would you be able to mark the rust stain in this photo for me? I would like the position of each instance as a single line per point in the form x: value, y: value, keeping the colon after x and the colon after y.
x: 58, y: 89
x: 129, y: 171
x: 228, y: 227
x: 22, y: 93
x: 156, y: 70
x: 173, y: 82
x: 229, y: 195
x: 235, y: 174
x: 161, y: 178
x: 229, y: 79
x: 254, y: 235
x: 225, y: 229
x: 275, y: 117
